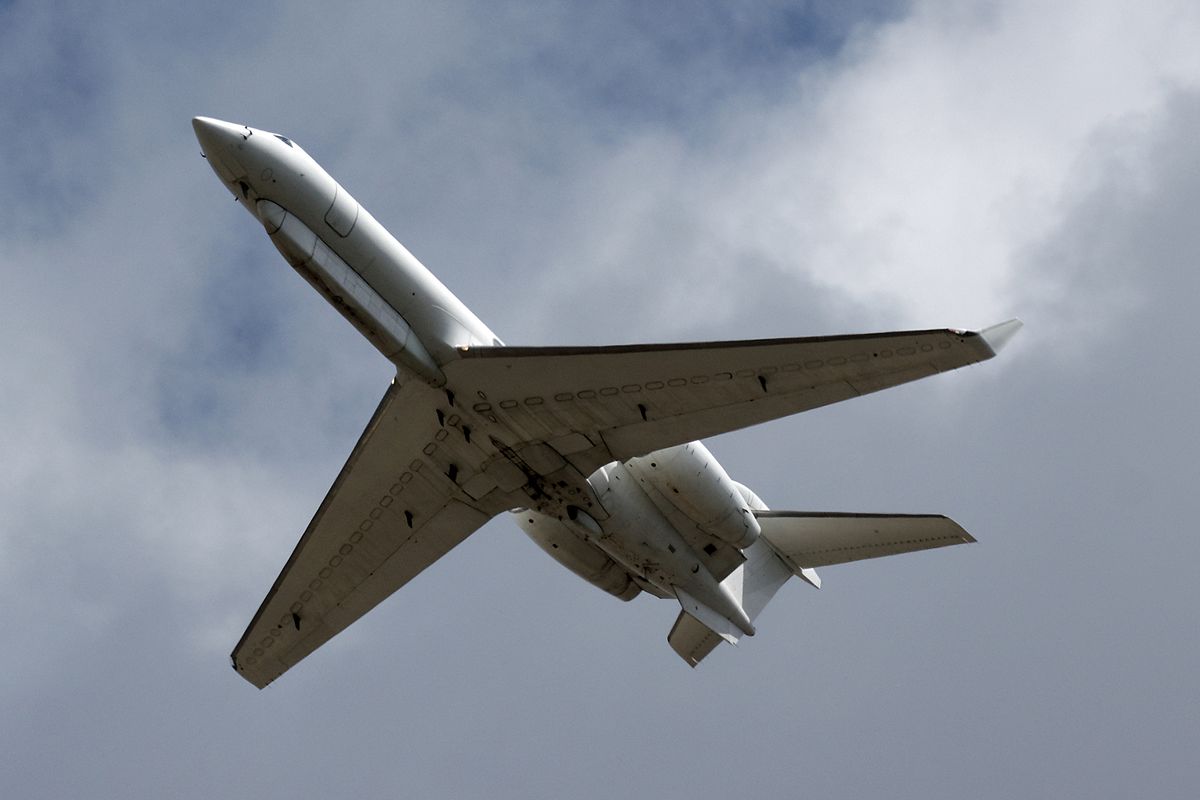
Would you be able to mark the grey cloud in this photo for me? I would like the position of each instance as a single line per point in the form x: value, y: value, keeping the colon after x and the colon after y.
x: 176, y: 401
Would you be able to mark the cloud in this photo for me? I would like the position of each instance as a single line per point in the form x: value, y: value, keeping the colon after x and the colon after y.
x: 176, y: 401
x: 915, y: 174
x: 908, y: 180
x: 918, y: 177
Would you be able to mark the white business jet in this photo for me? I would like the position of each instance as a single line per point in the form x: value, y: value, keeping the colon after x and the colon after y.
x: 593, y: 450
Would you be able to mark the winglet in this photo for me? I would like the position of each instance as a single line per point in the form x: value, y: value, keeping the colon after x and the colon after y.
x: 997, y: 336
x: 811, y: 577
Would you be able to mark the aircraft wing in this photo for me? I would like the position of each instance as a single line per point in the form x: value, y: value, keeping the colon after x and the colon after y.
x: 389, y: 515
x: 594, y: 405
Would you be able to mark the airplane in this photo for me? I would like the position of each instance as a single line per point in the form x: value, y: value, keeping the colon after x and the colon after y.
x: 595, y: 452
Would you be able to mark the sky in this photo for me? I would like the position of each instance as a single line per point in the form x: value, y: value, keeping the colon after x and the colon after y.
x: 175, y: 401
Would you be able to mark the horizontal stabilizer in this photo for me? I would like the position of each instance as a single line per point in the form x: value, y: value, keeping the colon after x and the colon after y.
x: 806, y: 539
x: 692, y: 639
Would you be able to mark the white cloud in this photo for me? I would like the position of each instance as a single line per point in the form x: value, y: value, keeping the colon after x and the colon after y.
x: 914, y: 176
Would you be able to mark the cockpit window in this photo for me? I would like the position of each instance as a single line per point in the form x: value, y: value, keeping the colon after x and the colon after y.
x: 284, y: 139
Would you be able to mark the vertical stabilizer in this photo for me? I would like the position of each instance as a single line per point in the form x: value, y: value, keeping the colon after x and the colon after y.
x: 757, y: 580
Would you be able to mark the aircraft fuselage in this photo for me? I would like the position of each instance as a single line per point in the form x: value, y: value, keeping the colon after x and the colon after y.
x: 625, y: 515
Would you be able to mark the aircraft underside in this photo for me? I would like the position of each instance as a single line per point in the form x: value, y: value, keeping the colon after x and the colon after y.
x: 595, y: 450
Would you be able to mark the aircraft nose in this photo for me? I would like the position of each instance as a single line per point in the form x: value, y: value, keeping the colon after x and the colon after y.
x: 216, y: 135
x: 220, y: 141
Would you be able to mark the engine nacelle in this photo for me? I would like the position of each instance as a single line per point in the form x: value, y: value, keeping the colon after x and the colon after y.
x: 752, y: 500
x: 577, y: 554
x: 691, y: 480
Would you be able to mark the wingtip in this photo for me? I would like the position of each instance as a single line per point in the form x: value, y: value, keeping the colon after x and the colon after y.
x: 997, y: 336
x: 810, y: 576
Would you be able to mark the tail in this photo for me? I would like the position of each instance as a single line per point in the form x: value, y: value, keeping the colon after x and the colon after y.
x: 793, y: 543
x: 752, y: 585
